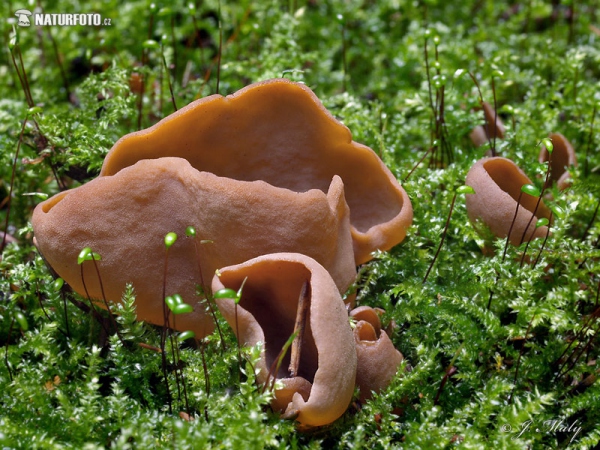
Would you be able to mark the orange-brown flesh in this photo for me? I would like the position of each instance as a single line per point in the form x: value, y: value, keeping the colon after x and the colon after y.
x: 377, y: 358
x: 266, y: 313
x: 125, y: 217
x: 498, y: 130
x: 497, y: 183
x: 278, y: 131
x: 563, y: 157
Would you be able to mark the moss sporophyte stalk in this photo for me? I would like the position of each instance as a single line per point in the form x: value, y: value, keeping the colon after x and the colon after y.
x: 395, y: 247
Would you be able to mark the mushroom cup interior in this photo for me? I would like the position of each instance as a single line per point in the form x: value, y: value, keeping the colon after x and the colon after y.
x: 510, y: 180
x: 273, y: 301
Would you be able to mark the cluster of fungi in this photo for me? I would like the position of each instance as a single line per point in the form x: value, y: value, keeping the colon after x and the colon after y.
x: 291, y: 206
x: 501, y: 205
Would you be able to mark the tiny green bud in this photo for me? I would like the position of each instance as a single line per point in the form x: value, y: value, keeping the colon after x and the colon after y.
x: 225, y: 293
x: 558, y: 211
x: 546, y: 142
x: 190, y: 231
x: 186, y: 335
x: 14, y: 40
x: 530, y: 189
x: 87, y: 255
x: 465, y: 190
x: 458, y: 73
x: 542, y: 222
x: 170, y: 239
x: 34, y: 110
x: 58, y: 284
x: 21, y: 320
x: 170, y: 301
x: 182, y: 308
x: 150, y: 44
x: 238, y: 294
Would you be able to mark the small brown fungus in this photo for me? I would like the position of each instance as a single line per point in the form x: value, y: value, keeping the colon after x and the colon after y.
x: 497, y: 183
x: 563, y: 157
x: 481, y: 134
x: 278, y: 131
x: 125, y: 217
x: 322, y: 388
x: 377, y: 358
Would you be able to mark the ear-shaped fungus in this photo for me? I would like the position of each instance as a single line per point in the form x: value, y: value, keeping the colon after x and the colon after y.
x: 125, y: 217
x: 563, y: 157
x: 322, y: 388
x: 497, y: 183
x: 377, y: 358
x: 483, y: 133
x: 279, y: 132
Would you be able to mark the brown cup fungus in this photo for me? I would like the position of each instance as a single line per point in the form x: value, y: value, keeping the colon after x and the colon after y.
x: 317, y: 388
x: 563, y: 157
x: 279, y: 132
x: 377, y: 358
x: 497, y: 183
x: 481, y: 134
x: 125, y: 217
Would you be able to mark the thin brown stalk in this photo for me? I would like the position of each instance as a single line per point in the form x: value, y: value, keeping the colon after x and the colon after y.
x: 209, y: 299
x: 25, y: 79
x: 519, y: 360
x: 442, y: 239
x: 543, y: 243
x: 21, y: 80
x: 12, y: 183
x: 539, y: 200
x: 93, y: 310
x: 110, y: 314
x: 299, y: 326
x: 511, y: 225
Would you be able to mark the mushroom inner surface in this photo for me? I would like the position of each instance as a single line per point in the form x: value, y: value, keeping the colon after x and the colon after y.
x: 272, y: 298
x: 510, y: 180
x: 47, y: 206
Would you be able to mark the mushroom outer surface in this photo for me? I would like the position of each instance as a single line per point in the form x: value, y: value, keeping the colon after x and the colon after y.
x: 481, y: 134
x: 377, y: 358
x: 563, y: 157
x: 266, y: 313
x: 497, y: 183
x: 125, y: 217
x: 279, y: 131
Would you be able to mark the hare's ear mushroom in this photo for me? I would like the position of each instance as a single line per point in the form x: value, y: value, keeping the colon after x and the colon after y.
x: 497, y: 183
x: 321, y: 388
x: 257, y: 132
x: 125, y: 217
x: 563, y: 157
x: 481, y: 134
x: 377, y: 358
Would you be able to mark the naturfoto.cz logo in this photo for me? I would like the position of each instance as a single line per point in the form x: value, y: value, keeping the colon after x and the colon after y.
x: 26, y: 18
